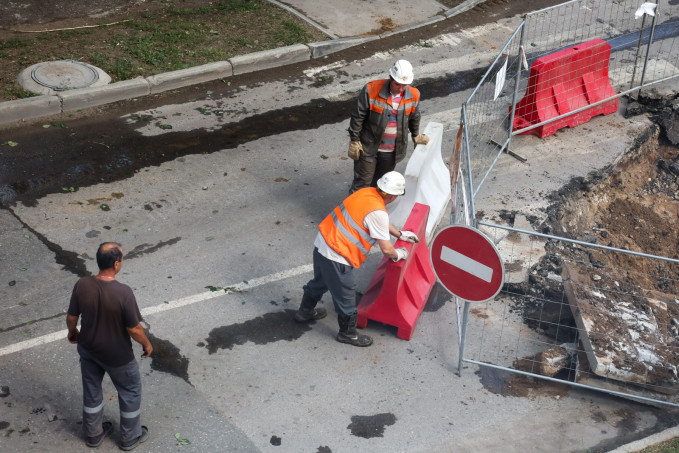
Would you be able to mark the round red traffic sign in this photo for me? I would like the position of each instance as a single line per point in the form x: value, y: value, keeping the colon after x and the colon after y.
x: 467, y: 263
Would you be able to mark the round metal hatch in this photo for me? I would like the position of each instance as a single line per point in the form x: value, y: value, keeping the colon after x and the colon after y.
x: 64, y: 74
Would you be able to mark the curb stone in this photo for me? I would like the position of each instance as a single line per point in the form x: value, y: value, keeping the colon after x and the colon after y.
x: 49, y: 105
x: 649, y: 441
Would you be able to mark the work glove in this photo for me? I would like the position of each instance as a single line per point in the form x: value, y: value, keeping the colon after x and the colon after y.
x: 420, y: 139
x: 409, y: 236
x: 401, y: 253
x: 355, y: 150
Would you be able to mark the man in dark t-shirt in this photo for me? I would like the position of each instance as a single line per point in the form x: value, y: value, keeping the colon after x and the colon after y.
x: 110, y: 316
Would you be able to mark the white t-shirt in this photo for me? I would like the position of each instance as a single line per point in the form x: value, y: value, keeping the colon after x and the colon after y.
x: 377, y: 223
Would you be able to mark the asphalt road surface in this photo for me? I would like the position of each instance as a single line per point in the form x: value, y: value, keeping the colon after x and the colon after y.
x: 222, y: 185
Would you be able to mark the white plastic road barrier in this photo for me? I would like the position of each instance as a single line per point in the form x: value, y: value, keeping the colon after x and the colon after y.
x: 427, y: 182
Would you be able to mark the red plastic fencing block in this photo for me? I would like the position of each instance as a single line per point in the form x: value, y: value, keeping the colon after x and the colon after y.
x: 563, y: 82
x: 398, y: 291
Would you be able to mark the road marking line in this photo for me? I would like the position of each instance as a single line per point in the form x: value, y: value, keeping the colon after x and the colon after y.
x: 467, y: 264
x: 189, y: 300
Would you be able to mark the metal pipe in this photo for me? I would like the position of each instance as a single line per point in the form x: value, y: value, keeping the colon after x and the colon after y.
x: 574, y: 384
x: 522, y: 55
x: 556, y: 118
x: 493, y: 64
x: 575, y: 241
x: 463, y: 341
x: 469, y: 164
x: 648, y: 47
x: 636, y: 56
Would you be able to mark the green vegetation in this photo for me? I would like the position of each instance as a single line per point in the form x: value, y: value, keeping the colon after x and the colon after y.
x: 165, y: 36
x: 671, y: 446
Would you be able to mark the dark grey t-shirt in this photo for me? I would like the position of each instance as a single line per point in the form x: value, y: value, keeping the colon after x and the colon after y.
x: 107, y: 310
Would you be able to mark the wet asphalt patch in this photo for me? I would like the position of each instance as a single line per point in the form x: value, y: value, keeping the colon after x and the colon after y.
x: 369, y: 426
x: 144, y: 249
x: 268, y: 328
x: 166, y: 358
x: 90, y: 151
x: 437, y: 298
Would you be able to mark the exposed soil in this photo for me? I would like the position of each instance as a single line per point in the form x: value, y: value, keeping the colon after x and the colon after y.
x: 634, y: 206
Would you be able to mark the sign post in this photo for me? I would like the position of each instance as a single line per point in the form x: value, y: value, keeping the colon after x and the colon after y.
x: 468, y: 265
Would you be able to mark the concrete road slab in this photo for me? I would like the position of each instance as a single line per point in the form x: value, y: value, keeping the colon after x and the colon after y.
x: 357, y: 17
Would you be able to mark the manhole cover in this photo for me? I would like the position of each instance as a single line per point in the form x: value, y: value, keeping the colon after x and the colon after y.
x: 64, y: 75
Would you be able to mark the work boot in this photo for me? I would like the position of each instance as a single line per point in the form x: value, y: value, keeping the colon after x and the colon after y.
x: 307, y: 310
x: 347, y: 333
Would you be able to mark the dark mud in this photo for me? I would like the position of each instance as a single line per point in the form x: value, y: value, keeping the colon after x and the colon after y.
x: 90, y: 151
x: 166, y: 358
x: 369, y: 426
x: 268, y: 328
x: 97, y: 146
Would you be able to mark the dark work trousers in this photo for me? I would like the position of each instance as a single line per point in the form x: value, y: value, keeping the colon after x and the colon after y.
x: 368, y: 169
x: 337, y: 278
x: 127, y: 381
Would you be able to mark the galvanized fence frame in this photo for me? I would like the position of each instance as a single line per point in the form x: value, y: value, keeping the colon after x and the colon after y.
x: 518, y: 348
x: 644, y: 51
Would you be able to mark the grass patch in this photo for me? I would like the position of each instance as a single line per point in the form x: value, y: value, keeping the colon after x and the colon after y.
x: 670, y: 446
x: 158, y: 36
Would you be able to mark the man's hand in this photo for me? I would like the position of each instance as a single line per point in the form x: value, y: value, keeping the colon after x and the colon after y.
x: 409, y: 236
x: 73, y: 336
x: 355, y: 150
x: 148, y: 349
x: 420, y: 139
x: 401, y: 254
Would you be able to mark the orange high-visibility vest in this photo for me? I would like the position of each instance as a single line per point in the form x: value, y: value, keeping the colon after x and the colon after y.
x: 343, y: 228
x: 378, y: 91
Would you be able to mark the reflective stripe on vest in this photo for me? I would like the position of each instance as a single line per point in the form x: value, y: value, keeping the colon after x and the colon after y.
x: 343, y: 228
x: 377, y: 90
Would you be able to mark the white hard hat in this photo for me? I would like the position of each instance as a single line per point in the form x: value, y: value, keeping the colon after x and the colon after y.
x: 402, y: 72
x: 392, y: 183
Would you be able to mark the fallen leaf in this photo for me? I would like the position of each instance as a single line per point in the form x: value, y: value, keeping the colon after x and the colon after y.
x: 181, y: 440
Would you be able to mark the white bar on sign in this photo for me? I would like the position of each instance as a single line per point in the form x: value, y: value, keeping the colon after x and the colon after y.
x: 467, y: 264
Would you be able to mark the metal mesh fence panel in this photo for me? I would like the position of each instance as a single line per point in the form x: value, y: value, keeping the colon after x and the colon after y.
x: 591, y: 316
x: 563, y: 65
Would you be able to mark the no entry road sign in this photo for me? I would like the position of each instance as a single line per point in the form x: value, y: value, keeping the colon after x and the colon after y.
x: 467, y: 263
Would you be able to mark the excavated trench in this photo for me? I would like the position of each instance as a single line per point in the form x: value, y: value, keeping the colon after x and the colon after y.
x: 621, y: 310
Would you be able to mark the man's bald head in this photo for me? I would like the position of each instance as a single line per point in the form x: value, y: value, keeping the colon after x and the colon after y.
x: 107, y: 254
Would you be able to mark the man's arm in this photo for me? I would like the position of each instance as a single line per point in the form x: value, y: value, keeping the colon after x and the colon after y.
x: 386, y: 246
x: 359, y: 114
x: 72, y: 325
x: 138, y: 335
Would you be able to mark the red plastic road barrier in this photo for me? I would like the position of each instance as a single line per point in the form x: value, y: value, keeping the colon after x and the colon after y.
x: 398, y: 291
x: 563, y: 82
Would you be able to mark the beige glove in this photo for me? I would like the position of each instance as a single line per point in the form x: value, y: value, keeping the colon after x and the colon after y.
x: 355, y: 150
x: 409, y: 236
x: 421, y: 139
x: 401, y: 254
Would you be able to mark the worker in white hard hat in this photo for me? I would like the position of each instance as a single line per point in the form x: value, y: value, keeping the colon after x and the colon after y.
x: 342, y: 244
x: 386, y: 112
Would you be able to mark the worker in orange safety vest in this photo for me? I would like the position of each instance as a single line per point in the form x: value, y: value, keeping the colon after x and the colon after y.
x: 344, y: 240
x: 386, y: 113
